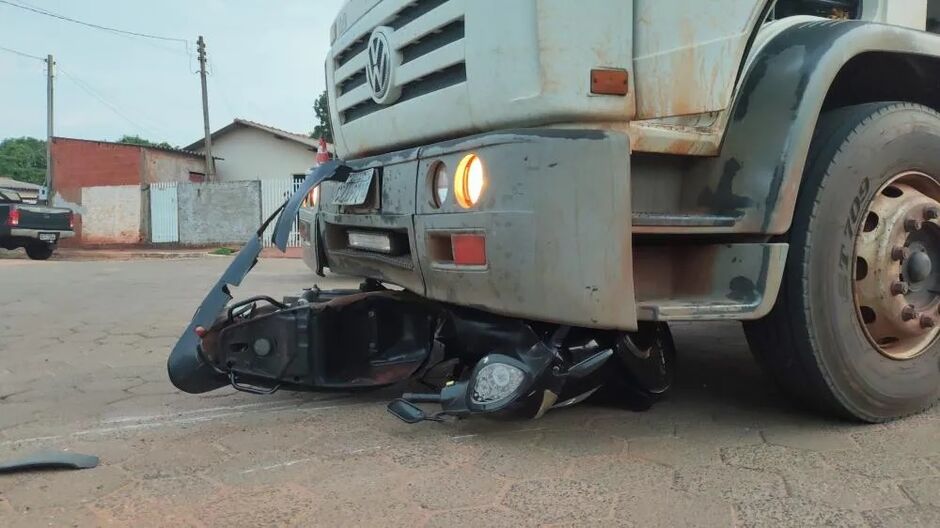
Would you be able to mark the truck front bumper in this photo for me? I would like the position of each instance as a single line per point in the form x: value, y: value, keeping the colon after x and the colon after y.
x: 555, y: 215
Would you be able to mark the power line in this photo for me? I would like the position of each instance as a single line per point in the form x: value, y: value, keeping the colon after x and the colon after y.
x: 122, y: 32
x: 20, y: 53
x: 91, y: 25
x: 85, y: 87
x: 219, y: 88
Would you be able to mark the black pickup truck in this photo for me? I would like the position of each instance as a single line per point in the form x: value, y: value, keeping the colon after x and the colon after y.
x: 34, y: 227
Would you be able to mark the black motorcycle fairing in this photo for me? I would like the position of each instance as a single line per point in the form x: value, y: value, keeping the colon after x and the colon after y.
x: 186, y: 367
x: 360, y: 341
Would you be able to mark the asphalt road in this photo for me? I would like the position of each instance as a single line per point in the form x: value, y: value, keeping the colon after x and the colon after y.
x: 83, y: 347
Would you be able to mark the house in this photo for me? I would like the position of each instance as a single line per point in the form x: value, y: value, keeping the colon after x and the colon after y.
x: 106, y: 184
x: 29, y: 192
x: 245, y: 150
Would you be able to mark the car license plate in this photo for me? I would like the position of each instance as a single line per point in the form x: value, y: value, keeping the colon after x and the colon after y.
x: 355, y: 190
x: 48, y: 237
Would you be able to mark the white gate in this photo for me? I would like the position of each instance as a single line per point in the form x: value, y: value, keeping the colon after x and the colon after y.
x: 273, y: 194
x: 164, y: 213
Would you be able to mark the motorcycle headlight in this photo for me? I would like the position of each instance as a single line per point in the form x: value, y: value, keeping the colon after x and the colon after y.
x: 496, y: 382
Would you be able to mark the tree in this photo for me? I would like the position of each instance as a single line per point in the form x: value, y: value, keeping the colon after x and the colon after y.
x: 23, y: 159
x: 137, y: 140
x: 324, y: 128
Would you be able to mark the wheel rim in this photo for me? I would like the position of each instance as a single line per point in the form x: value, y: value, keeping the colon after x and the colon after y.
x: 897, y: 267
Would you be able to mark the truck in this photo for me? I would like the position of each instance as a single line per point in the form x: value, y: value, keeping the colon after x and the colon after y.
x: 534, y: 190
x: 36, y: 228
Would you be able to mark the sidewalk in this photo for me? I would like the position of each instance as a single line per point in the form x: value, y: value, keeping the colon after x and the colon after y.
x: 292, y: 252
x: 111, y: 254
x: 143, y: 254
x: 130, y: 254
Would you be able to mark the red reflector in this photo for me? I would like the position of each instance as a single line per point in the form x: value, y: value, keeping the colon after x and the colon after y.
x: 469, y: 250
x: 13, y: 218
x: 610, y: 82
x: 71, y: 220
x: 200, y: 331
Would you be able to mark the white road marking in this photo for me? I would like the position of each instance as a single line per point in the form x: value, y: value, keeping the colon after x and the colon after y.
x: 279, y: 466
x: 290, y: 463
x: 175, y: 421
x: 145, y: 418
x: 531, y: 430
x: 260, y: 405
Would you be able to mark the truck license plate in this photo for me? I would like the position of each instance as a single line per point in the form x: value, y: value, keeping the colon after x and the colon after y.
x: 48, y: 237
x: 355, y: 190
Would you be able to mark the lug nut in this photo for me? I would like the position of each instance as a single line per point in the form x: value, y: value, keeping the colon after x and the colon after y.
x: 909, y: 313
x: 927, y: 322
x: 900, y: 288
x: 931, y: 213
x: 899, y: 253
x: 912, y: 224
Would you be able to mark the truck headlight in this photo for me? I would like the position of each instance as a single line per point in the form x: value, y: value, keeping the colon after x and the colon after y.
x: 440, y: 184
x: 470, y: 181
x: 313, y: 198
x: 496, y: 382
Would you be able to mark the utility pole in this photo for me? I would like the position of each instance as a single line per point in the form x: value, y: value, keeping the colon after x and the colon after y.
x: 210, y: 161
x: 50, y: 123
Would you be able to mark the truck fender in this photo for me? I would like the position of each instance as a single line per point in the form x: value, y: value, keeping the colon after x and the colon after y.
x: 756, y: 176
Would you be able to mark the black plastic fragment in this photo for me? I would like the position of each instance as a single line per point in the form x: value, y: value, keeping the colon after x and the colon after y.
x: 49, y: 460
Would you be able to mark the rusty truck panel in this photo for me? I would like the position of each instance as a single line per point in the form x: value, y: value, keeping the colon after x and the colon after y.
x: 756, y: 177
x: 700, y: 44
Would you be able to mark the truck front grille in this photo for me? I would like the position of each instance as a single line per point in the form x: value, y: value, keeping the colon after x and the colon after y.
x: 429, y: 36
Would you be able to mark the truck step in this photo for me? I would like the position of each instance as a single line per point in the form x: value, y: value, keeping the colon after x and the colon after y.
x: 683, y: 220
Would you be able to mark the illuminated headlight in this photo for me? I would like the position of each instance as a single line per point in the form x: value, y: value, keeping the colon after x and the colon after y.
x: 470, y: 181
x: 496, y: 383
x: 313, y: 198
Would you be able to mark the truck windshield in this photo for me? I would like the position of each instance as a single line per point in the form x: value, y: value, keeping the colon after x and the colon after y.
x: 10, y: 197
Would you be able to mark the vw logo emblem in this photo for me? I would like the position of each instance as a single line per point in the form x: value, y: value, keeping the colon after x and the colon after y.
x: 382, y: 63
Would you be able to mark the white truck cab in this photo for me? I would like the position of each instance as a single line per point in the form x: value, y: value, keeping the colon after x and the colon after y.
x: 483, y: 65
x: 553, y: 182
x: 651, y: 160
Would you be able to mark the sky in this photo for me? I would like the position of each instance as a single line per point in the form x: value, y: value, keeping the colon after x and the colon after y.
x: 266, y: 62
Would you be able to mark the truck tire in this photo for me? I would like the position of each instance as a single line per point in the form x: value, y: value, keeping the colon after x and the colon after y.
x: 854, y: 331
x: 39, y: 251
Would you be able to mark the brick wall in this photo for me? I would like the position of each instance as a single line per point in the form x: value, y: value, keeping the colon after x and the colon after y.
x: 87, y: 169
x: 79, y: 163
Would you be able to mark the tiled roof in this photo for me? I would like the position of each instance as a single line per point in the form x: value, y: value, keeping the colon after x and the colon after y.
x: 183, y: 151
x: 237, y: 123
x: 9, y: 183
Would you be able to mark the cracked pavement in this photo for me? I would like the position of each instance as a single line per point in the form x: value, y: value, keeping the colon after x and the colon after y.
x: 83, y: 347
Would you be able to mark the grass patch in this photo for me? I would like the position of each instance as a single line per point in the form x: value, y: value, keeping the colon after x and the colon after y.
x: 223, y: 251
